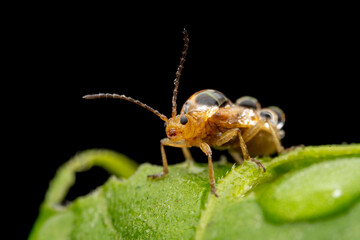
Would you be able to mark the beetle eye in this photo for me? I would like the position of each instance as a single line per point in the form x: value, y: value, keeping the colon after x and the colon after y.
x: 183, y: 120
x: 280, y: 116
x: 248, y: 102
x: 268, y: 115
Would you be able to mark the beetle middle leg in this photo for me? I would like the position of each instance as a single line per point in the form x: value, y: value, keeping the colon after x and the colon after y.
x: 207, y: 150
x: 236, y: 156
x: 260, y: 125
x: 166, y: 142
x: 230, y: 134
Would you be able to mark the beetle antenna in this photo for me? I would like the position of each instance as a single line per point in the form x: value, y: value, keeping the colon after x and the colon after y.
x: 178, y: 72
x: 117, y: 96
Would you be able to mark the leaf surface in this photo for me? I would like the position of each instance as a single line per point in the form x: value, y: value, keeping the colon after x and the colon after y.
x: 309, y: 193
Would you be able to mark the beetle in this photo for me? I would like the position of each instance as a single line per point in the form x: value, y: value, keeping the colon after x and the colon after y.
x: 208, y: 119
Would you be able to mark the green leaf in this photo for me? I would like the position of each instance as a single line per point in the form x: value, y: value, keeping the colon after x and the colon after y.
x: 309, y: 193
x: 314, y: 192
x: 55, y: 220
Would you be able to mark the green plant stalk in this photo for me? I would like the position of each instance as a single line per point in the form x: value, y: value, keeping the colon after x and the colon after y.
x: 115, y: 163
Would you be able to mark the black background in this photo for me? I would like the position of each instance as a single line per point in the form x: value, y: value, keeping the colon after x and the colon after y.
x: 304, y: 61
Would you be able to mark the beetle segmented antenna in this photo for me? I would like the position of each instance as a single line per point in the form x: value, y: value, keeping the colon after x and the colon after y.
x: 117, y: 96
x: 178, y: 72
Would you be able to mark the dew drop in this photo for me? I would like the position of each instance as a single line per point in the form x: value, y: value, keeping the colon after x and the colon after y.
x: 336, y: 193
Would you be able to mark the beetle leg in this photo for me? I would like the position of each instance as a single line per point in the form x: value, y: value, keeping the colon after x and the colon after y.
x: 187, y: 155
x: 279, y: 147
x: 180, y: 144
x: 254, y: 130
x: 166, y: 142
x: 292, y: 148
x: 243, y: 146
x: 207, y: 150
x: 246, y: 153
x: 228, y: 135
x: 236, y: 156
x: 251, y: 132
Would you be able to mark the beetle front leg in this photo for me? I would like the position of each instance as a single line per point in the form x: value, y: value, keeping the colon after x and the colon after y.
x: 165, y: 142
x: 164, y: 162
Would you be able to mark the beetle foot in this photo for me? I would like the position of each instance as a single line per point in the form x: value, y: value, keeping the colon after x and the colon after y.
x: 289, y: 149
x: 258, y: 163
x: 156, y: 176
x: 213, y: 191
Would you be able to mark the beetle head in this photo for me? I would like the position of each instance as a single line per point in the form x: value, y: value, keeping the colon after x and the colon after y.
x: 180, y: 127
